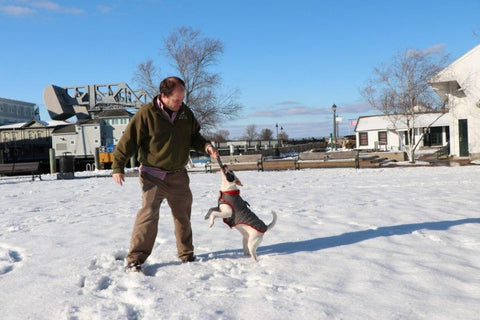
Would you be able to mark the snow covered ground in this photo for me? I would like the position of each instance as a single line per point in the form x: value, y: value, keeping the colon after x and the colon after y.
x: 391, y: 243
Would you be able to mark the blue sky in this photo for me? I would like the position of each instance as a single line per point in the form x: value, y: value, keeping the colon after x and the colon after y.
x: 290, y: 60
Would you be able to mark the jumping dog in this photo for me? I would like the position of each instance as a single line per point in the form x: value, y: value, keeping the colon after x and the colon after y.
x: 236, y: 213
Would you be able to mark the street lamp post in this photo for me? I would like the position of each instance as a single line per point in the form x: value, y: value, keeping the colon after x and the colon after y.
x: 334, y: 108
x: 277, y: 150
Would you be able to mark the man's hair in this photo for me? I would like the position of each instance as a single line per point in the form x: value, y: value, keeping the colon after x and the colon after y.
x: 168, y: 85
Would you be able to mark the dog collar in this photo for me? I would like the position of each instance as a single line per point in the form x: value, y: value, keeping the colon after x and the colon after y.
x: 231, y: 192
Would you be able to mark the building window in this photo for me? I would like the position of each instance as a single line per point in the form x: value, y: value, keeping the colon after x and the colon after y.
x: 363, y: 137
x: 433, y: 137
x: 382, y: 138
x: 412, y: 137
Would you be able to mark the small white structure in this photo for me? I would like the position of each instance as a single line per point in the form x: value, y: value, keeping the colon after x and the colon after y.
x: 82, y: 138
x: 459, y: 86
x: 385, y: 133
x: 79, y: 139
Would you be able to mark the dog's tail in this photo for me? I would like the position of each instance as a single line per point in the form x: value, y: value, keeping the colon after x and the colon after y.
x: 272, y: 224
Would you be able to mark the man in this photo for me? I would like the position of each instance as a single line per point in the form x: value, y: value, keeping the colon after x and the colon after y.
x: 162, y: 132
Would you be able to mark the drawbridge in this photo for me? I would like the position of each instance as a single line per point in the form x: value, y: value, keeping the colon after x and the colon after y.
x: 85, y: 101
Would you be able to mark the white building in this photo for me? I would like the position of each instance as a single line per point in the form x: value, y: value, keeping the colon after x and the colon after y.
x: 385, y: 133
x: 459, y: 86
x: 82, y: 138
x: 14, y: 111
x: 114, y: 123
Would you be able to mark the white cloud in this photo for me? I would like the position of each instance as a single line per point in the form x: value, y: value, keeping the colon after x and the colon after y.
x: 55, y: 7
x: 28, y: 7
x: 16, y: 10
x: 104, y: 9
x: 435, y: 49
x: 292, y: 111
x: 47, y: 5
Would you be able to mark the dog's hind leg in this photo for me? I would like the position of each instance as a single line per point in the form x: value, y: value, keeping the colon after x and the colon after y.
x: 245, y: 237
x: 253, y: 244
x: 245, y: 242
x: 246, y: 252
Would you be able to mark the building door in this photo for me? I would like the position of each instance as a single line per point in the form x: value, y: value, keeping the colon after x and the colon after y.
x: 463, y: 137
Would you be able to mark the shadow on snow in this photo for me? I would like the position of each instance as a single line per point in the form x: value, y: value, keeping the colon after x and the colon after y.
x: 359, y: 236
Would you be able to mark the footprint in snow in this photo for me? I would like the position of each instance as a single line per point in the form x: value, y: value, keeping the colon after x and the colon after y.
x: 9, y: 259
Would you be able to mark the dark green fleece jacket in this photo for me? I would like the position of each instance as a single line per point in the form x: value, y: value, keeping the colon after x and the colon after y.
x: 160, y: 143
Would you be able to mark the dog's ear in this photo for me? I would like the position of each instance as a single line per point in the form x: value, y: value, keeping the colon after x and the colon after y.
x: 230, y: 176
x: 238, y: 182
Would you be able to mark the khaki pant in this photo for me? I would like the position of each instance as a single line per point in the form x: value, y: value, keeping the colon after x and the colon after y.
x: 175, y: 188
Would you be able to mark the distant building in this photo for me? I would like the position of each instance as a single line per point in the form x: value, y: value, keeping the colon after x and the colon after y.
x: 14, y: 111
x: 27, y: 141
x: 379, y: 132
x: 82, y: 138
x: 79, y: 139
x: 114, y: 122
x: 235, y: 147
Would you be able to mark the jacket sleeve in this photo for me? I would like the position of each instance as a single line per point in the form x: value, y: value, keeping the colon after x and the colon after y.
x: 127, y: 146
x: 198, y: 143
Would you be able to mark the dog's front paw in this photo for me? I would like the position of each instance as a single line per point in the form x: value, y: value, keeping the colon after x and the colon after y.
x: 210, y: 212
x: 212, y: 221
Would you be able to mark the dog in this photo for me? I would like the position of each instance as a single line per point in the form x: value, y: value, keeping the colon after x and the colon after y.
x: 236, y: 213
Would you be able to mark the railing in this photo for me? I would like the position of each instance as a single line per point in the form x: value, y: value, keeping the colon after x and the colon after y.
x: 443, y: 151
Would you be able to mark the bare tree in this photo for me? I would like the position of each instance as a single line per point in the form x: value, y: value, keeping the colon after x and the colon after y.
x: 221, y: 136
x: 145, y: 77
x: 401, y: 91
x: 266, y: 134
x: 193, y: 57
x: 251, y: 132
x: 283, y: 136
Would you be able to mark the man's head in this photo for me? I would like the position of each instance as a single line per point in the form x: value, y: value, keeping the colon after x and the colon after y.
x: 172, y: 92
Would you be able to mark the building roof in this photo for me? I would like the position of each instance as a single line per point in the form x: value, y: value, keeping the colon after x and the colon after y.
x: 382, y: 122
x: 460, y: 77
x: 112, y: 113
x: 17, y: 125
x: 88, y: 121
x: 447, y: 73
x: 47, y: 124
x: 66, y: 129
